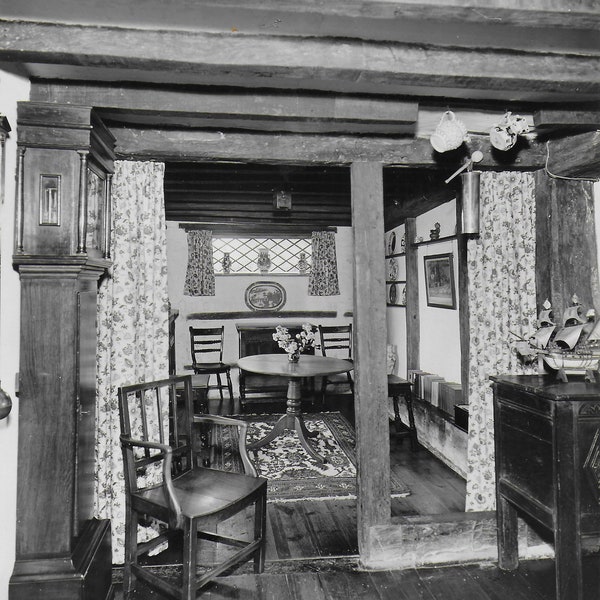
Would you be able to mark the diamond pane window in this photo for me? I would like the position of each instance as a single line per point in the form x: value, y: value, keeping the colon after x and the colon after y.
x: 285, y: 254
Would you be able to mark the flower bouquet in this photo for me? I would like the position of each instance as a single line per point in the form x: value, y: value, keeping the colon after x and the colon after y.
x: 294, y: 346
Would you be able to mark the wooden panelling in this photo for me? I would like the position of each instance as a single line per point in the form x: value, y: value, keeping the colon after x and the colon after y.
x: 566, y: 257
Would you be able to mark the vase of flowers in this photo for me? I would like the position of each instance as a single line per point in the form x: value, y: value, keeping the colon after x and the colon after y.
x: 294, y: 345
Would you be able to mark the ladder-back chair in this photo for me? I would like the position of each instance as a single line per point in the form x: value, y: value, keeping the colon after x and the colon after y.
x: 336, y: 341
x: 164, y: 482
x: 206, y: 345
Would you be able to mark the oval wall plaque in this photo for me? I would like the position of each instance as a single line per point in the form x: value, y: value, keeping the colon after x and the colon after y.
x: 265, y: 295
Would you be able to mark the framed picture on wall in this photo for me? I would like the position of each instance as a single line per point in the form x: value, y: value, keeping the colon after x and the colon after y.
x: 439, y: 280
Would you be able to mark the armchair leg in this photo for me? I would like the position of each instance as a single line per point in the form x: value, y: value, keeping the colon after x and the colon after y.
x: 260, y: 532
x: 131, y: 520
x: 190, y: 546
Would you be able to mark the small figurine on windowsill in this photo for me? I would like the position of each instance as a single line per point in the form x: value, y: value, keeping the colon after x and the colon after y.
x: 303, y: 266
x: 434, y: 234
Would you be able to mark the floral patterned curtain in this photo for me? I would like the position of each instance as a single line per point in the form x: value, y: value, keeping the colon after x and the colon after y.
x: 133, y: 311
x: 200, y: 275
x: 323, y: 276
x: 501, y: 282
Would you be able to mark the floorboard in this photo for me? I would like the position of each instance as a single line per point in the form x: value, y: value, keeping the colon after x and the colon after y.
x: 312, y: 549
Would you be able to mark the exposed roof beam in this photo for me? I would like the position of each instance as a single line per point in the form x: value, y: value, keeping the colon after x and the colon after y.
x: 567, y: 119
x: 293, y: 62
x: 206, y: 107
x: 577, y: 156
x: 207, y: 146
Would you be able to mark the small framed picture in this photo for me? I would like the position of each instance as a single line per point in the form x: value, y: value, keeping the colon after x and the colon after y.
x: 439, y: 280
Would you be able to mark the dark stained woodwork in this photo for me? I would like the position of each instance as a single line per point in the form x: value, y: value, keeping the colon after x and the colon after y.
x: 206, y: 146
x: 325, y: 64
x: 234, y: 108
x: 266, y: 314
x: 577, y: 156
x: 56, y: 461
x: 62, y: 551
x: 413, y: 328
x: 370, y: 379
x: 544, y: 434
x: 566, y: 246
x: 243, y: 194
x: 566, y: 119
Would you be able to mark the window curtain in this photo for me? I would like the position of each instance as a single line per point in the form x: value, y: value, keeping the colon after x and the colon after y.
x: 323, y: 276
x: 200, y: 274
x: 133, y: 312
x: 501, y: 283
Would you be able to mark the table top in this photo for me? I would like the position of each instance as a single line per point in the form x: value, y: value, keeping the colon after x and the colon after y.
x: 307, y: 366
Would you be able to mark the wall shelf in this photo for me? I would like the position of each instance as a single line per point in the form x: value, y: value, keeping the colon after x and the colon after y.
x: 397, y: 254
x: 395, y: 281
x: 397, y: 305
x: 446, y: 238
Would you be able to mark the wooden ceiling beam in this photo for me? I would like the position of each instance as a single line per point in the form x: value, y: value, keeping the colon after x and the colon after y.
x: 326, y: 64
x: 234, y: 109
x: 577, y: 156
x: 566, y: 119
x: 293, y: 149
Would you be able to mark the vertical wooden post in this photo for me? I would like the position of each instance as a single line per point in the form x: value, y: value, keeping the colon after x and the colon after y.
x: 566, y: 256
x: 370, y: 352
x: 413, y: 324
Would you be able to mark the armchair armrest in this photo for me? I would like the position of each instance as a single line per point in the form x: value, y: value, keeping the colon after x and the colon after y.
x: 167, y: 454
x: 249, y: 468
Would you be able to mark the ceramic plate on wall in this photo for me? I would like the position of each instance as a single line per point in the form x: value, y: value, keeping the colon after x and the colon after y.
x: 392, y: 243
x: 393, y: 293
x: 265, y: 295
x: 393, y: 269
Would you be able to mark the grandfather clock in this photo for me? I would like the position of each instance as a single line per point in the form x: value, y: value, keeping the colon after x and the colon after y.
x: 65, y: 164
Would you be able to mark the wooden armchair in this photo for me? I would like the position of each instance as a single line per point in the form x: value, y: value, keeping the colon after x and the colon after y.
x: 164, y: 482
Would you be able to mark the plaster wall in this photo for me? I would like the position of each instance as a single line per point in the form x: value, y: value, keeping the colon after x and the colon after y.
x: 12, y: 89
x: 440, y: 332
x: 229, y: 296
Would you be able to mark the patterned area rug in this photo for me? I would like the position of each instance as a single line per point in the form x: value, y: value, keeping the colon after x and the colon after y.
x: 293, y: 475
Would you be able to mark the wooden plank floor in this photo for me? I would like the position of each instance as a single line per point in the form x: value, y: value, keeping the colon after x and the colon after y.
x: 533, y: 580
x: 312, y: 548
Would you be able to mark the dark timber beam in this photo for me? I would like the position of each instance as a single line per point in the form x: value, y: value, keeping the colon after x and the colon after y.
x: 342, y: 65
x: 567, y: 119
x: 577, y: 156
x: 202, y: 146
x: 370, y: 330
x: 290, y: 111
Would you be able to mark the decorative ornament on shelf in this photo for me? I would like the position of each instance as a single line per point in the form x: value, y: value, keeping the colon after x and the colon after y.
x: 434, y: 234
x: 294, y: 346
x: 503, y: 136
x: 226, y: 263
x: 569, y: 348
x: 449, y: 134
x: 263, y: 262
x: 303, y: 266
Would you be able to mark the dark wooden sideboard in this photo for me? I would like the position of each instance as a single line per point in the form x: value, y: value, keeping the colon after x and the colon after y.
x: 547, y: 438
x: 258, y: 339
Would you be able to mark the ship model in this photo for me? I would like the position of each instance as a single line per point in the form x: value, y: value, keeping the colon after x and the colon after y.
x: 570, y: 347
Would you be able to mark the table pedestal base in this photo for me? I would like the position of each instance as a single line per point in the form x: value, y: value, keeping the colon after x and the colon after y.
x: 292, y: 420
